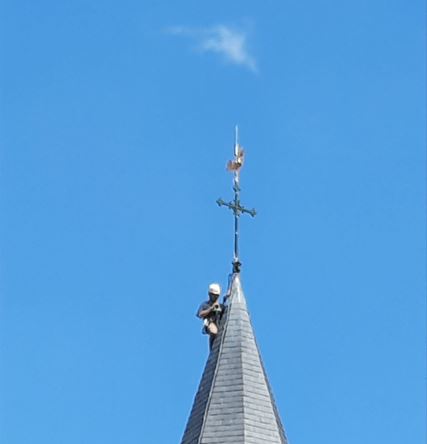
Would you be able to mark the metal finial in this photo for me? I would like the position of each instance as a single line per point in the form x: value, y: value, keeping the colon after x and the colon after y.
x: 235, y: 166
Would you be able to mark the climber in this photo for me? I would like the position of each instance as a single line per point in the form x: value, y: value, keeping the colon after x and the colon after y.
x: 210, y: 311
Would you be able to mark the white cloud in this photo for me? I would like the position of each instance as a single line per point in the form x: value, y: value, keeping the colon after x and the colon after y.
x: 228, y: 42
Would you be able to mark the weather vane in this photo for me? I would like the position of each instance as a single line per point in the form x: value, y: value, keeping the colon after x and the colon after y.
x: 235, y: 166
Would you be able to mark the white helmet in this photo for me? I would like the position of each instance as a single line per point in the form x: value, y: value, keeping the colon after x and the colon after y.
x: 215, y: 289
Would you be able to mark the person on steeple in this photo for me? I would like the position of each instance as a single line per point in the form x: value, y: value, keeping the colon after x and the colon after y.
x: 211, y: 311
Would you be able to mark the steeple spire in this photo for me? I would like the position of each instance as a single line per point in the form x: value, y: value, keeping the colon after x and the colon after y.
x: 235, y: 166
x: 234, y: 403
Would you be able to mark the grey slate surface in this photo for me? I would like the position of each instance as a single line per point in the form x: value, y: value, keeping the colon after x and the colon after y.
x: 234, y: 403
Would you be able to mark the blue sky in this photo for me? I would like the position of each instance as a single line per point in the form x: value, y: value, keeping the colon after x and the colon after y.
x: 116, y: 121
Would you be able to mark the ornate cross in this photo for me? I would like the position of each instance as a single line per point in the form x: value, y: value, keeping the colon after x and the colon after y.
x: 235, y: 165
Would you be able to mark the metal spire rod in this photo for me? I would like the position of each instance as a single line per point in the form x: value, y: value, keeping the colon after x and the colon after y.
x: 235, y: 165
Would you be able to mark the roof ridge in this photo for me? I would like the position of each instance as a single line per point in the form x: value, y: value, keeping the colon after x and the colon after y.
x: 281, y: 429
x: 218, y: 360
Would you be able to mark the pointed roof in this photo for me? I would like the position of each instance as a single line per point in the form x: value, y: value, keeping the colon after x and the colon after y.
x: 234, y: 403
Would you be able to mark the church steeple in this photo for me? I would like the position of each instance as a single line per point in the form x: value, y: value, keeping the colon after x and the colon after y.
x: 234, y: 403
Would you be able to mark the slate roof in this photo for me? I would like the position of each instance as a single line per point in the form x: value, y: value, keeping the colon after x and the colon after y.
x: 234, y: 403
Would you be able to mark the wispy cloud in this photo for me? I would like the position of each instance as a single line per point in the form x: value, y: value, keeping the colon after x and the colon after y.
x: 230, y: 43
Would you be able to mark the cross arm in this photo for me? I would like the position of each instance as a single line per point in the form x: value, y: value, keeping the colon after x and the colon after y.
x: 236, y: 207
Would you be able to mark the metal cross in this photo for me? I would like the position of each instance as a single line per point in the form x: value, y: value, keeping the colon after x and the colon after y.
x: 234, y: 205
